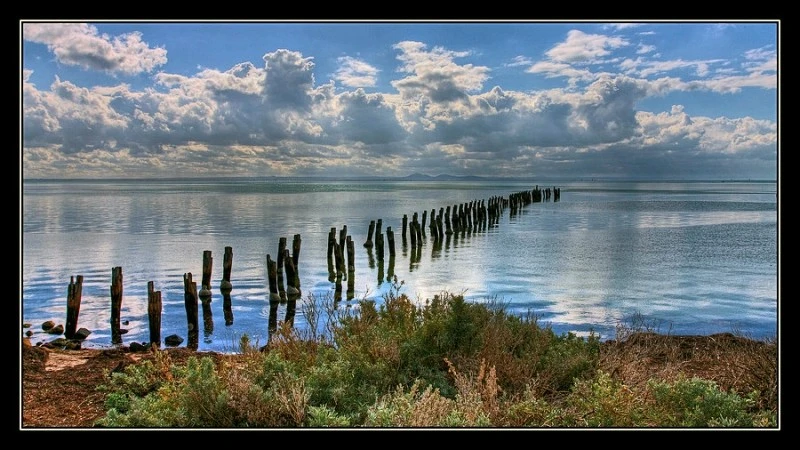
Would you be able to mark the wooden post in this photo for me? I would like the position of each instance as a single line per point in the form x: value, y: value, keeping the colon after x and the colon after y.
x: 390, y: 239
x: 424, y: 219
x: 74, y: 292
x: 226, y: 287
x: 405, y: 226
x: 272, y: 278
x: 379, y: 246
x: 205, y: 286
x: 343, y: 244
x: 351, y: 255
x: 116, y: 304
x: 227, y: 264
x: 296, y: 260
x: 368, y: 243
x: 338, y: 256
x: 291, y: 276
x: 351, y: 268
x: 154, y: 313
x: 190, y: 301
x: 205, y: 292
x: 331, y: 241
x: 280, y: 265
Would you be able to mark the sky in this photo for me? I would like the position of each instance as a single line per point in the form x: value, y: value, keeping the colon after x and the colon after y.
x: 622, y: 100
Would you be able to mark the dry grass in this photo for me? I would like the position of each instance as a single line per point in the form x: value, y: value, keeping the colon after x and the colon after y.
x: 733, y: 362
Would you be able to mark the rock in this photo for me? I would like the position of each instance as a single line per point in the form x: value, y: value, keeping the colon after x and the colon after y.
x: 58, y: 329
x: 26, y: 325
x: 48, y: 325
x: 123, y: 330
x: 137, y: 347
x: 56, y: 343
x: 29, y: 333
x: 72, y: 345
x: 82, y: 334
x: 173, y: 340
x: 125, y: 322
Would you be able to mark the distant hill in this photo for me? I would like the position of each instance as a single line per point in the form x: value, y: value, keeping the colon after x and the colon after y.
x: 441, y: 177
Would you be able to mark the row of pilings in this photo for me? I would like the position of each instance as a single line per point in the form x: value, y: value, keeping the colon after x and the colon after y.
x: 283, y: 271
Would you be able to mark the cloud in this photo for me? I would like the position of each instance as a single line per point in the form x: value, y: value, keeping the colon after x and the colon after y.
x: 584, y: 48
x: 434, y: 75
x: 519, y: 61
x: 275, y: 120
x: 79, y: 44
x: 355, y: 73
x: 642, y: 49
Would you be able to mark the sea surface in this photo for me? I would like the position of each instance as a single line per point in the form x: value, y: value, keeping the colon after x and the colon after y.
x: 680, y: 257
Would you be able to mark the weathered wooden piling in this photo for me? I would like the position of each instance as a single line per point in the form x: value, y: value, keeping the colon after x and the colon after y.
x: 390, y: 270
x: 296, y: 242
x: 351, y: 268
x: 343, y: 236
x: 292, y: 286
x: 351, y: 255
x: 272, y: 279
x: 331, y: 241
x: 413, y: 234
x: 448, y: 228
x: 405, y: 226
x: 419, y: 233
x: 368, y: 243
x: 339, y: 257
x: 74, y: 293
x: 205, y: 286
x: 424, y: 219
x: 154, y: 313
x: 227, y: 265
x: 116, y: 304
x: 225, y: 286
x: 280, y: 265
x: 190, y: 301
x: 379, y: 246
x: 390, y: 240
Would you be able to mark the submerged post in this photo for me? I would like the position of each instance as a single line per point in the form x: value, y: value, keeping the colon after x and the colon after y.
x: 190, y: 302
x: 74, y: 292
x: 368, y: 243
x: 281, y: 256
x: 272, y: 278
x: 205, y: 292
x: 116, y: 304
x: 296, y: 260
x: 390, y: 240
x: 292, y: 290
x: 154, y: 313
x: 351, y: 268
x: 226, y: 287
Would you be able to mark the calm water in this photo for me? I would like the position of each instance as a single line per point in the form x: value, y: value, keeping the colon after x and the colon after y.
x: 685, y: 257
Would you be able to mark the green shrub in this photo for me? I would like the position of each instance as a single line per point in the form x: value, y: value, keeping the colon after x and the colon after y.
x: 699, y: 403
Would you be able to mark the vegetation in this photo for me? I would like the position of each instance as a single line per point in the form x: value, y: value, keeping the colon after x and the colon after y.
x: 444, y: 363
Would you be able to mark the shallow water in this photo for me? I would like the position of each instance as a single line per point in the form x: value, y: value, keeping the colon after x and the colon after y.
x: 684, y: 257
